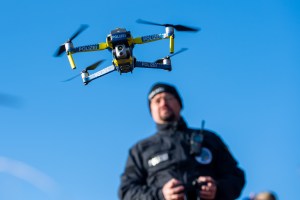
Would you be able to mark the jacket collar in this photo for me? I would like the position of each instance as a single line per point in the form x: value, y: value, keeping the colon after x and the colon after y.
x: 172, y: 126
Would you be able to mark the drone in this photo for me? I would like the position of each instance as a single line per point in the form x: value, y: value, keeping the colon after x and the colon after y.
x: 121, y: 43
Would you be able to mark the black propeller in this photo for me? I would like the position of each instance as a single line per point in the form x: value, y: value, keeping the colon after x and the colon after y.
x: 62, y: 48
x: 170, y: 55
x: 91, y: 67
x: 176, y: 27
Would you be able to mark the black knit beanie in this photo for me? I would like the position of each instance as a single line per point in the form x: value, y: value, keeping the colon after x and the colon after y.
x: 163, y: 87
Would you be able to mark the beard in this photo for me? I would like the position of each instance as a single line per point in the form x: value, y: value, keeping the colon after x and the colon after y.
x: 167, y: 115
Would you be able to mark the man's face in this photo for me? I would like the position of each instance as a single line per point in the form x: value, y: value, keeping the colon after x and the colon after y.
x: 165, y: 108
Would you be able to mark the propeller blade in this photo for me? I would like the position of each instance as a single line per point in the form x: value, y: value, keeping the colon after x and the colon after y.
x: 180, y: 51
x: 91, y: 67
x: 141, y: 21
x: 94, y: 66
x: 176, y: 27
x: 60, y: 50
x: 69, y: 79
x: 80, y: 30
x: 185, y: 28
x: 159, y: 61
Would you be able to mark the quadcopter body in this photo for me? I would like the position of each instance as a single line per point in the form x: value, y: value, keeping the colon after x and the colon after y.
x: 121, y: 43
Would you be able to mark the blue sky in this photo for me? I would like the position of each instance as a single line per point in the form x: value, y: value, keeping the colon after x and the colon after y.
x: 69, y: 141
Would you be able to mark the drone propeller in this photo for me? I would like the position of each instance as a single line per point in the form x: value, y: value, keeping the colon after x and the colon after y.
x: 170, y: 55
x: 91, y: 67
x: 62, y: 48
x: 176, y: 27
x: 180, y: 51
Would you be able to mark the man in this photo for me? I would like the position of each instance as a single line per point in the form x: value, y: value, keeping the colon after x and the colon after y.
x: 265, y: 196
x: 179, y: 163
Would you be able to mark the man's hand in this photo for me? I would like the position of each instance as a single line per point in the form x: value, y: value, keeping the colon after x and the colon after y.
x: 209, y: 190
x: 173, y: 190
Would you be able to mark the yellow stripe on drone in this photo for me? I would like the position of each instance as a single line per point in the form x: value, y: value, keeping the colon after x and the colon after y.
x: 138, y: 40
x: 102, y: 46
x: 171, y: 44
x: 71, y: 61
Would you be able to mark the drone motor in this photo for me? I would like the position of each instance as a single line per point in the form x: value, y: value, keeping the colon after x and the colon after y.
x: 169, y: 30
x: 84, y: 74
x: 167, y: 61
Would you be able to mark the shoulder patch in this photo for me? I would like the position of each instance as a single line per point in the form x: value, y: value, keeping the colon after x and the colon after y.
x: 205, y: 157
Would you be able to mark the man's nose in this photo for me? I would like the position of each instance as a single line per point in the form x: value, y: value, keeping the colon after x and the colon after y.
x: 163, y: 101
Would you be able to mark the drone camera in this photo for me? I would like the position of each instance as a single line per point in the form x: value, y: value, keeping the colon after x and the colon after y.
x: 121, y: 51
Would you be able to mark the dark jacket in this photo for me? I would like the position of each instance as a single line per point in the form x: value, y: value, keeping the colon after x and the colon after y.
x: 154, y: 161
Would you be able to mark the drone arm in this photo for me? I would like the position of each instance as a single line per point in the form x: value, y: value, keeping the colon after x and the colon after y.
x: 102, y: 46
x: 153, y: 65
x: 98, y: 74
x: 89, y: 48
x: 138, y: 40
x: 149, y: 38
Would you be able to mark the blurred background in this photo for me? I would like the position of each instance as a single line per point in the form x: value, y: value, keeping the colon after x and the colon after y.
x: 63, y: 141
